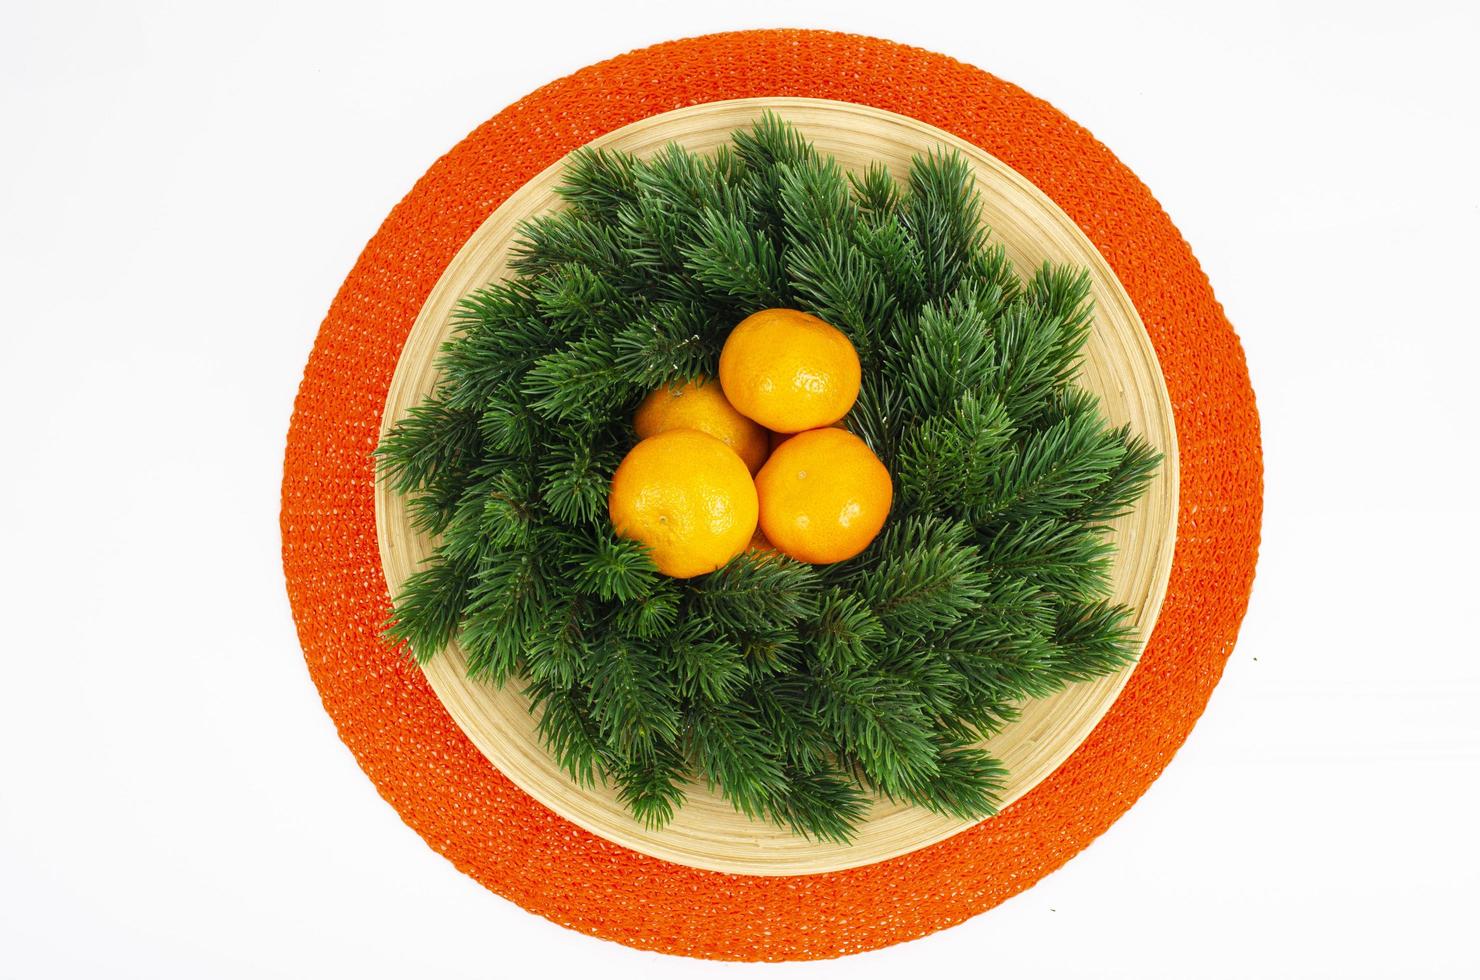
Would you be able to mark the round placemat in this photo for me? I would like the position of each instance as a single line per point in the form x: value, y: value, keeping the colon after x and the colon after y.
x: 444, y: 787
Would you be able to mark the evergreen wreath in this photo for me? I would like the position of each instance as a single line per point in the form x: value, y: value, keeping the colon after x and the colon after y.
x: 796, y: 691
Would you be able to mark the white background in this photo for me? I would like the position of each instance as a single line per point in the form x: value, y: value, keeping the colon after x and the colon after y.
x: 184, y: 186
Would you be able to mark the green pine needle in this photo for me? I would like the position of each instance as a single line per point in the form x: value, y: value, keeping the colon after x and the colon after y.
x: 799, y: 693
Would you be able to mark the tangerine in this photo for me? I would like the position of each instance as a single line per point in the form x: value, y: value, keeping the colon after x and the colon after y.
x: 824, y: 496
x: 701, y: 405
x: 789, y: 370
x: 688, y: 497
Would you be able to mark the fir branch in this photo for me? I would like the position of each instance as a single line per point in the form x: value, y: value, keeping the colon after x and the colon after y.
x: 568, y: 730
x: 735, y: 757
x: 1052, y: 472
x: 883, y: 725
x: 576, y: 477
x: 509, y: 427
x: 503, y: 331
x: 650, y: 234
x: 1124, y: 485
x: 708, y: 669
x: 1058, y: 557
x: 650, y: 615
x: 771, y: 144
x: 879, y: 416
x: 897, y: 265
x: 612, y: 568
x: 432, y: 439
x: 796, y: 692
x: 429, y: 606
x: 582, y: 382
x: 967, y: 783
x: 757, y: 594
x: 990, y: 283
x: 1034, y: 357
x: 651, y: 785
x: 943, y: 215
x: 876, y: 194
x: 631, y: 696
x: 816, y: 199
x: 1091, y: 640
x: 672, y: 340
x: 505, y: 604
x: 436, y: 504
x: 928, y: 576
x: 949, y: 351
x: 555, y: 648
x: 574, y: 295
x: 1062, y: 293
x: 598, y: 182
x: 686, y: 185
x: 819, y: 804
x: 734, y: 260
x: 782, y: 706
x: 765, y: 150
x: 846, y: 631
x: 946, y: 462
x: 499, y: 511
x: 549, y: 242
x: 501, y: 305
x: 926, y: 670
x: 769, y: 650
x: 835, y: 278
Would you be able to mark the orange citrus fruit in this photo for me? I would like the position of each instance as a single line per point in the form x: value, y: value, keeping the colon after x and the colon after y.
x: 789, y: 370
x: 700, y: 404
x: 688, y: 497
x: 824, y: 496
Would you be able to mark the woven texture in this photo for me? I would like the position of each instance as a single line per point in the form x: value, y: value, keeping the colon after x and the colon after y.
x: 440, y: 784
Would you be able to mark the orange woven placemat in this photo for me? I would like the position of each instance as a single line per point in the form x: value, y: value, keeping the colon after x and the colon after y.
x: 444, y: 789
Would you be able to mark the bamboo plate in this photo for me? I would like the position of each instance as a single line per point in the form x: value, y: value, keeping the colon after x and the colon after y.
x: 1120, y: 367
